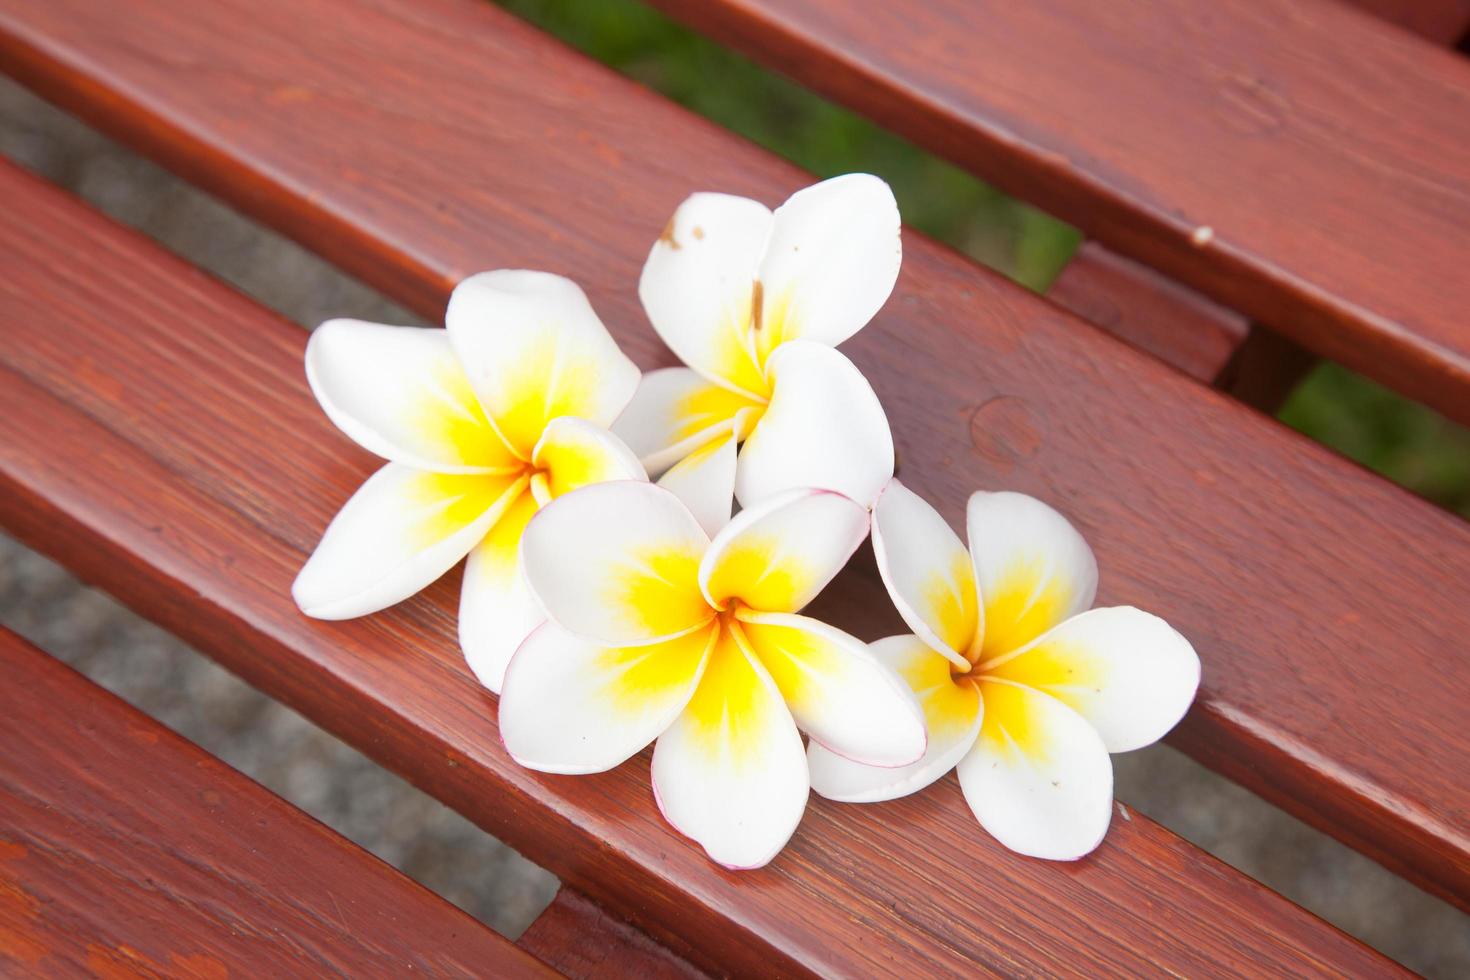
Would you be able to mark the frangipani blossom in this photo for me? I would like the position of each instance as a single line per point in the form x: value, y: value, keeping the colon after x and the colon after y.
x: 754, y: 302
x: 1025, y: 689
x: 658, y: 633
x: 482, y: 424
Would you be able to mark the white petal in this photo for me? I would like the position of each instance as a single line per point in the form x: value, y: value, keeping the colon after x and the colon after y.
x: 928, y: 572
x: 730, y: 772
x: 1039, y: 778
x: 400, y: 531
x: 674, y: 412
x: 824, y: 428
x: 831, y: 261
x: 617, y: 563
x: 570, y: 706
x: 698, y: 283
x: 952, y: 714
x: 400, y: 392
x: 837, y: 691
x: 496, y: 608
x: 1129, y: 673
x: 1032, y: 568
x: 705, y: 481
x: 777, y: 556
x: 575, y: 452
x: 534, y: 350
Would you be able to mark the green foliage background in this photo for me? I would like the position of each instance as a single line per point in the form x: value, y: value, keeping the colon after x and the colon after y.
x: 1396, y: 437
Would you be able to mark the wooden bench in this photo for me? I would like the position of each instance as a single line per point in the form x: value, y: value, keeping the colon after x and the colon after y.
x: 129, y: 851
x: 126, y: 850
x: 1225, y: 144
x: 157, y: 436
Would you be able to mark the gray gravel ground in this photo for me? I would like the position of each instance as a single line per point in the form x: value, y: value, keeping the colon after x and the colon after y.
x: 339, y: 786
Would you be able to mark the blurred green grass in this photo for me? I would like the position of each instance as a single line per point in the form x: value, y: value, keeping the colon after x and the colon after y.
x: 1404, y: 441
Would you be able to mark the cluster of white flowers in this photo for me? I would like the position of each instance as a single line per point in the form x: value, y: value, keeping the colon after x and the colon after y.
x: 610, y: 612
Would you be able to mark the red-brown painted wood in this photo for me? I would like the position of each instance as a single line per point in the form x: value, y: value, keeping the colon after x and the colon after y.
x: 127, y: 851
x: 1187, y: 330
x: 157, y: 435
x: 586, y: 943
x: 414, y: 144
x: 1150, y: 312
x: 1293, y: 159
x: 1443, y: 21
x: 1180, y: 327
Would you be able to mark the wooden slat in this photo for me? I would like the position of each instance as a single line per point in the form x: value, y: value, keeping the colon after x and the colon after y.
x: 126, y: 850
x: 1183, y: 328
x: 1150, y: 312
x: 157, y: 435
x: 1292, y: 159
x: 1442, y: 21
x: 416, y: 144
x: 1180, y: 327
x: 585, y: 943
x: 1198, y: 509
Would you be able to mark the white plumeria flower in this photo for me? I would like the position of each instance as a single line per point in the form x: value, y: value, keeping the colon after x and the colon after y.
x: 482, y: 424
x: 1025, y: 689
x: 754, y: 302
x: 657, y: 632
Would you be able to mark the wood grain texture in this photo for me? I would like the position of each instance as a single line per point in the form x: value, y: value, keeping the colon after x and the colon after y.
x: 415, y: 144
x: 1444, y: 21
x: 1178, y: 325
x: 586, y: 943
x: 157, y: 436
x: 1150, y: 312
x: 127, y: 851
x: 1295, y: 160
